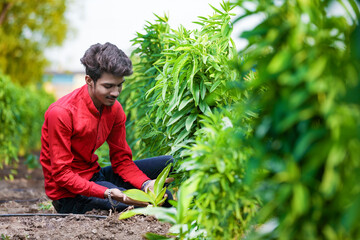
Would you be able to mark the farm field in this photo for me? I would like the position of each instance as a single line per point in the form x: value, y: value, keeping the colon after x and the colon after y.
x: 264, y: 136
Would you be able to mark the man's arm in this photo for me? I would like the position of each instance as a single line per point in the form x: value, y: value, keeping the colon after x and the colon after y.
x: 121, y: 155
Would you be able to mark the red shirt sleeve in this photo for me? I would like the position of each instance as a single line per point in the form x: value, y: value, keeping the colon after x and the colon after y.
x: 121, y: 155
x: 60, y: 132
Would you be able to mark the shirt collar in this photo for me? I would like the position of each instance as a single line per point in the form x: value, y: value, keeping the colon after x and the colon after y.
x: 88, y: 101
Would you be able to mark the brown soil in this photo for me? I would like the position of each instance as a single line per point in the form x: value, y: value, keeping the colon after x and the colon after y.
x: 25, y: 194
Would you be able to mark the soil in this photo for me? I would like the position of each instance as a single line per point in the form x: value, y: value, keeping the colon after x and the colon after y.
x: 25, y: 195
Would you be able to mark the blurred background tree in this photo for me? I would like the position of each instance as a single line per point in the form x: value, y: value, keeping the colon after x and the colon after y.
x: 27, y: 28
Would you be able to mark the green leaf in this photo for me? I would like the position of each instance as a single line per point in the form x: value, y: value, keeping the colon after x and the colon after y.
x: 164, y: 91
x: 203, y: 90
x: 163, y: 214
x: 160, y: 196
x: 204, y: 58
x: 193, y: 72
x: 203, y: 106
x: 179, y: 125
x: 279, y: 62
x: 178, y: 115
x: 127, y: 214
x: 190, y: 120
x: 216, y: 10
x: 181, y: 136
x: 300, y: 200
x: 138, y: 195
x: 154, y: 236
x: 317, y: 68
x: 196, y: 93
x: 181, y: 61
x: 160, y: 180
x: 185, y: 102
x: 162, y: 200
x: 215, y: 85
x: 185, y: 47
x: 185, y: 196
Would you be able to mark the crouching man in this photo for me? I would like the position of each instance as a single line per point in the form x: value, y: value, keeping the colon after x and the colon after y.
x: 78, y: 124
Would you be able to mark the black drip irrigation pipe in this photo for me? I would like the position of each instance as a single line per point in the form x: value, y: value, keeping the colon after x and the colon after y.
x: 50, y: 215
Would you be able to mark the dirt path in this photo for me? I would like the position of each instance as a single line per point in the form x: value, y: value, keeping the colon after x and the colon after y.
x: 25, y: 194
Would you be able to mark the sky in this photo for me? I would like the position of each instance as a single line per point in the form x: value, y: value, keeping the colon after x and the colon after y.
x: 117, y: 21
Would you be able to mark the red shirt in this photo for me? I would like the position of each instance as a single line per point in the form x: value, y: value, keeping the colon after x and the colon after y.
x: 72, y: 131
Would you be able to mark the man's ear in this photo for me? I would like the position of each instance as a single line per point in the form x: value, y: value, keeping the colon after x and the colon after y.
x: 88, y: 80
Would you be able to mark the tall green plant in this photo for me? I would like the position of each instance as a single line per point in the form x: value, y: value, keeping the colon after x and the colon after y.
x: 307, y: 135
x: 217, y: 161
x: 193, y: 72
x: 149, y: 49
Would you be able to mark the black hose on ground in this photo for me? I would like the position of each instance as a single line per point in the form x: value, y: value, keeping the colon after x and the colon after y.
x: 50, y: 215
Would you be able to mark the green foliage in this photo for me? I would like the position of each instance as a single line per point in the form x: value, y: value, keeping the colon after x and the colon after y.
x: 195, y: 79
x: 150, y: 45
x: 8, y: 115
x: 290, y: 143
x: 156, y: 197
x: 191, y: 75
x: 45, y: 205
x: 307, y: 135
x: 26, y: 29
x: 103, y: 154
x: 181, y: 216
x: 5, y: 237
x: 21, y: 114
x: 32, y: 161
x: 217, y: 161
x: 154, y: 236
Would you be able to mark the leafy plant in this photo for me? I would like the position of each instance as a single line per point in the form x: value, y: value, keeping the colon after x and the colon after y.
x: 149, y: 49
x: 9, y: 129
x: 103, y: 155
x: 5, y: 237
x: 21, y: 114
x: 32, y: 161
x: 45, y: 205
x: 181, y: 217
x: 307, y: 133
x: 191, y: 75
x: 217, y: 161
x: 156, y: 197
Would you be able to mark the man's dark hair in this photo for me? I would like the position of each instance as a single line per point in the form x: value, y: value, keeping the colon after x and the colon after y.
x: 100, y: 58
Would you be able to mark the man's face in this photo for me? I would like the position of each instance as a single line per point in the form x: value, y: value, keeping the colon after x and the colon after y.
x: 106, y: 90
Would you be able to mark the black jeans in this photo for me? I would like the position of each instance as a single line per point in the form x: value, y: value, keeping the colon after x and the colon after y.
x: 152, y: 167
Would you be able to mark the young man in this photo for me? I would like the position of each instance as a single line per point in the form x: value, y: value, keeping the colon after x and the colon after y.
x: 78, y: 124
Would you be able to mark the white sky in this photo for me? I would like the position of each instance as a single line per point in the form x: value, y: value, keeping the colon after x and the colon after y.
x: 117, y: 21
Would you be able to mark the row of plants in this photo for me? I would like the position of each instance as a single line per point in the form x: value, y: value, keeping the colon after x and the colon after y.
x: 187, y: 91
x: 179, y: 76
x: 307, y: 134
x: 275, y: 155
x: 21, y: 112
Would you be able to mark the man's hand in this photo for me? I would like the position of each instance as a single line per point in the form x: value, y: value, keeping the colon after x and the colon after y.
x: 118, y: 195
x: 150, y: 185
